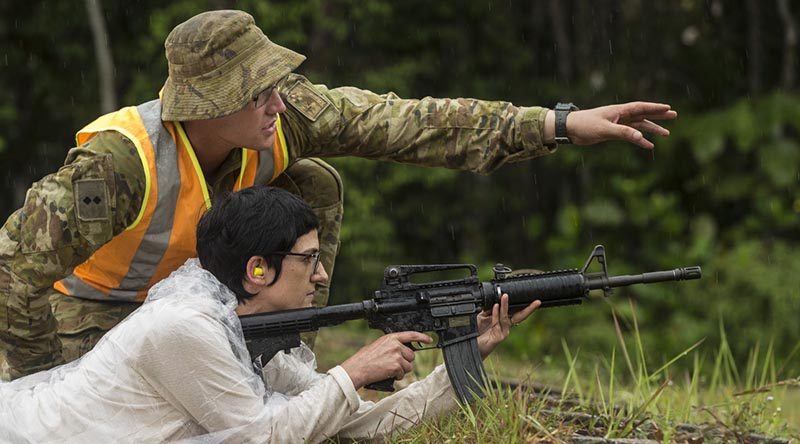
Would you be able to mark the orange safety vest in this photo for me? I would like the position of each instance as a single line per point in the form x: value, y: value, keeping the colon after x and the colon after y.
x: 162, y: 237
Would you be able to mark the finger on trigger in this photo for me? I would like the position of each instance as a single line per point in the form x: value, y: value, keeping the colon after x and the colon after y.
x: 413, y: 336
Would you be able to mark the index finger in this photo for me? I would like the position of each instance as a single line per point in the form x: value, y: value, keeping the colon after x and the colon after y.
x: 413, y: 336
x: 644, y: 108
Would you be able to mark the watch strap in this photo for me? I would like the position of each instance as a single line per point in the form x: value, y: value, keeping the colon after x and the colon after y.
x: 562, y: 110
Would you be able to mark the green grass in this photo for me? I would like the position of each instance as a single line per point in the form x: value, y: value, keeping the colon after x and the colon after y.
x: 618, y: 395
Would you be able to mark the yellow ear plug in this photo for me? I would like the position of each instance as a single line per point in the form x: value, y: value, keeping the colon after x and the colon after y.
x: 258, y: 271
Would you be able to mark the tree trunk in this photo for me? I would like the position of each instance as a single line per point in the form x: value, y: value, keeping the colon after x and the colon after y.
x: 561, y: 35
x: 105, y: 64
x: 584, y: 41
x: 788, y: 73
x: 754, y: 60
x: 320, y: 39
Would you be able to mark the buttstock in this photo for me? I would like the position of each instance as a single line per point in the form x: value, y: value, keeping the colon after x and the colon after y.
x: 268, y: 347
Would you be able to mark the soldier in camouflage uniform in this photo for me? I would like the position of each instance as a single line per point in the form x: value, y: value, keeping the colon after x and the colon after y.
x: 224, y: 90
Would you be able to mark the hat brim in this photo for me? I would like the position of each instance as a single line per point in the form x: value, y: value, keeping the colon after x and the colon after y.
x: 229, y: 88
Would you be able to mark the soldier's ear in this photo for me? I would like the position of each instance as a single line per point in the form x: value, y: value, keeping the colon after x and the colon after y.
x: 257, y: 274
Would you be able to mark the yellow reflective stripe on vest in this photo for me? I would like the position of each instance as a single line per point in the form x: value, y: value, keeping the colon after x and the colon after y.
x: 242, y: 169
x: 280, y: 153
x: 195, y: 163
x: 269, y: 163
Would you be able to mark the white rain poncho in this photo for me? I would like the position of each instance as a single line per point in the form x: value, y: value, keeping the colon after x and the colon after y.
x: 178, y: 368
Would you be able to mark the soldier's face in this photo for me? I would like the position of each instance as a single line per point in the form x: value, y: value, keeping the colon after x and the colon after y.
x: 253, y: 126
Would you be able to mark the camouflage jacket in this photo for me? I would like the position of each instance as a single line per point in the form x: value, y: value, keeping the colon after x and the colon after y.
x: 41, y: 242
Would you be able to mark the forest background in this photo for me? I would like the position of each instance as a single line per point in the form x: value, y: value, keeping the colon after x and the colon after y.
x: 721, y: 192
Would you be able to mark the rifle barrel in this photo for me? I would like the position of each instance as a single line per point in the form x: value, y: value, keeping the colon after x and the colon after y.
x: 677, y: 274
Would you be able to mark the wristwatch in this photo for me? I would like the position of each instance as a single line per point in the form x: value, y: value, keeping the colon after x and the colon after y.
x: 562, y: 109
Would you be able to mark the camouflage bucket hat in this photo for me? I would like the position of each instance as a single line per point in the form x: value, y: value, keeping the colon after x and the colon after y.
x: 218, y: 61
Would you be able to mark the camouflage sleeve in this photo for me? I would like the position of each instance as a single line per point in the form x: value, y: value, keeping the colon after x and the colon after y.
x: 42, y: 241
x: 467, y: 134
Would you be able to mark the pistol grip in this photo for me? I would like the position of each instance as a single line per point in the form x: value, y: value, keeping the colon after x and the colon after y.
x: 387, y: 385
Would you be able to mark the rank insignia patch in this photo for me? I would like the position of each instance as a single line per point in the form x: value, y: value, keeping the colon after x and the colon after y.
x: 91, y: 199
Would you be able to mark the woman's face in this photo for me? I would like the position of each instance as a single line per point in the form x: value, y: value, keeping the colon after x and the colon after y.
x: 296, y: 285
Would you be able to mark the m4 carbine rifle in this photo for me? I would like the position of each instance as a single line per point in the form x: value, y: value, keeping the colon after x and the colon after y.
x: 449, y: 308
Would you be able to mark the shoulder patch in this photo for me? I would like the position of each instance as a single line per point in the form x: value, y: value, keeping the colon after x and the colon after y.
x: 306, y: 100
x: 91, y: 199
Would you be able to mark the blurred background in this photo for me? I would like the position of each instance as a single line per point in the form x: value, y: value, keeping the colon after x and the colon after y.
x: 722, y: 192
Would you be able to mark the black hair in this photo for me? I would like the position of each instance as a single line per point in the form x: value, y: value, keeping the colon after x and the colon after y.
x: 256, y: 221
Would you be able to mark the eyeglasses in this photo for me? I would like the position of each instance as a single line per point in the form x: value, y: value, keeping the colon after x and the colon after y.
x: 312, y: 258
x: 263, y: 97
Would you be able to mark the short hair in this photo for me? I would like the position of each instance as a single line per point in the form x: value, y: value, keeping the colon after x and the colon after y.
x: 256, y: 221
